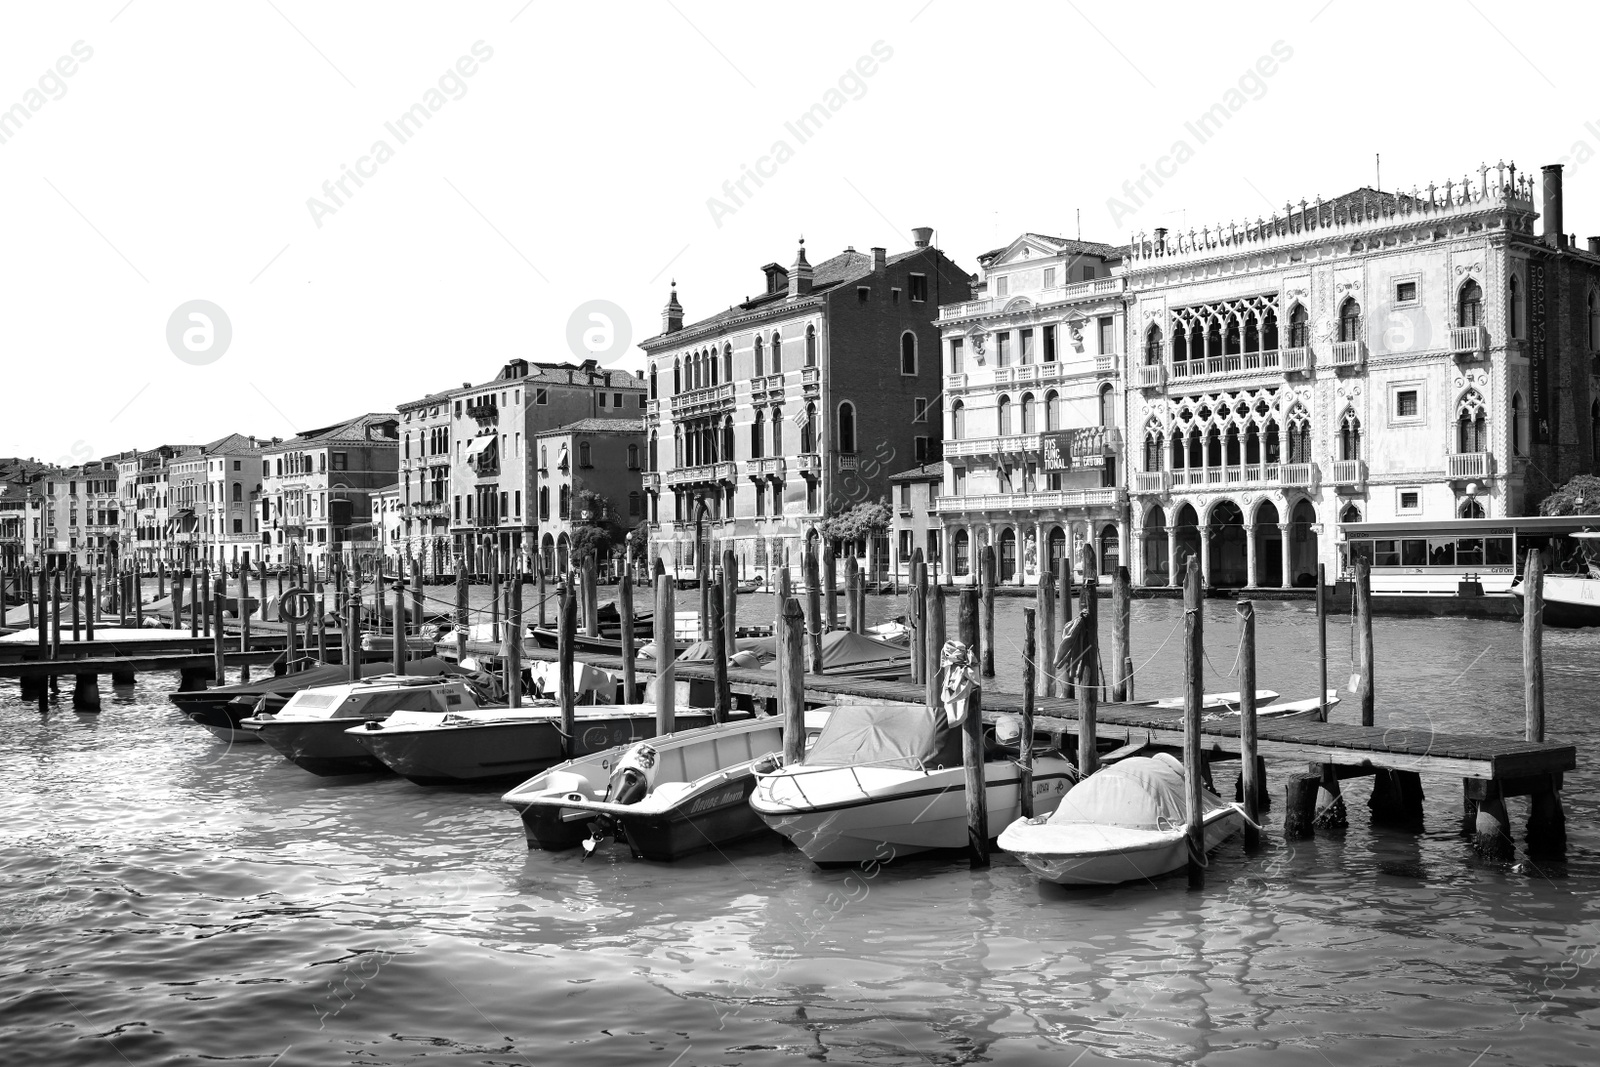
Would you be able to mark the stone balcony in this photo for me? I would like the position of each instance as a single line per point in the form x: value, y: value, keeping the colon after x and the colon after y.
x: 652, y: 481
x: 1463, y: 465
x: 1272, y: 361
x: 1150, y: 376
x: 1350, y: 474
x: 705, y: 473
x: 811, y: 381
x: 708, y: 401
x: 993, y: 446
x: 769, y: 467
x: 1469, y: 342
x: 1152, y: 482
x: 1075, y: 366
x: 808, y: 463
x: 1240, y: 475
x: 1028, y: 502
x: 1347, y: 355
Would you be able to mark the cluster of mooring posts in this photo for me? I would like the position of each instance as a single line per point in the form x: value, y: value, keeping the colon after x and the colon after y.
x: 1095, y: 717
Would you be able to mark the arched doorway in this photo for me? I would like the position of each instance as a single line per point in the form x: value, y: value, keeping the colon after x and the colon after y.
x: 1227, y: 548
x: 547, y: 554
x: 1110, y: 549
x: 1057, y: 551
x: 1269, y: 547
x: 1186, y: 538
x: 1155, y: 548
x: 1303, y: 546
x: 961, y: 554
x: 1008, y: 555
x: 563, y: 554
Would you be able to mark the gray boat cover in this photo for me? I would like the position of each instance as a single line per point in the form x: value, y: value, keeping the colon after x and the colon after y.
x: 884, y: 735
x: 1138, y: 793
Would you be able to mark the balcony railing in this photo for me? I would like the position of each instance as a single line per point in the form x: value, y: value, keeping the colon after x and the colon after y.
x: 1349, y: 353
x: 1066, y: 498
x: 1471, y: 464
x: 765, y: 467
x: 483, y: 410
x: 1240, y: 474
x: 1349, y: 472
x: 808, y: 463
x: 954, y: 383
x: 1469, y: 341
x: 706, y: 472
x: 991, y: 446
x: 847, y: 462
x: 1151, y: 376
x: 1105, y: 364
x: 702, y: 401
x: 1296, y: 360
x: 423, y: 511
x: 652, y: 481
x: 1151, y: 481
x: 811, y: 376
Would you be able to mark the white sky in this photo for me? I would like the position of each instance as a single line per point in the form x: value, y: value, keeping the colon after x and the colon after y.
x: 178, y: 163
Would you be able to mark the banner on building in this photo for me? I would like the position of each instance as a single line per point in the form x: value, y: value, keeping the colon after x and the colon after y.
x: 1066, y: 449
x: 1538, y: 356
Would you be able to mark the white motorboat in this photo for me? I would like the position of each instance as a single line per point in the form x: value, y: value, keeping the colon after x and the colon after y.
x: 1125, y: 821
x: 693, y: 795
x: 1572, y: 600
x: 311, y: 728
x: 491, y: 744
x: 884, y: 781
x: 1308, y: 710
x: 1218, y: 701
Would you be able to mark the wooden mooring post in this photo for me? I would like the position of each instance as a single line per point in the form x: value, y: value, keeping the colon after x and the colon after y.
x: 398, y: 657
x: 852, y: 601
x: 918, y: 619
x: 90, y: 588
x: 1089, y: 673
x: 75, y: 579
x: 1064, y: 607
x: 1122, y: 635
x: 814, y: 610
x: 792, y: 680
x: 666, y: 650
x: 1045, y: 606
x: 730, y: 601
x: 1249, y: 768
x: 219, y: 661
x: 933, y: 645
x: 566, y: 644
x: 352, y: 628
x: 630, y: 691
x: 194, y: 604
x: 722, y: 701
x: 462, y: 616
x: 1193, y: 696
x: 987, y: 577
x: 830, y: 576
x: 1030, y: 671
x: 591, y: 597
x: 972, y: 744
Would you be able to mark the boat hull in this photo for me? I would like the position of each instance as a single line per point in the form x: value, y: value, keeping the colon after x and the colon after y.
x: 1137, y: 854
x: 320, y: 746
x: 716, y: 815
x: 1569, y: 602
x: 501, y: 751
x: 926, y: 814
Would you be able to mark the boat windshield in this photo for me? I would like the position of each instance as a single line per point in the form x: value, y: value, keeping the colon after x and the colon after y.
x: 883, y: 735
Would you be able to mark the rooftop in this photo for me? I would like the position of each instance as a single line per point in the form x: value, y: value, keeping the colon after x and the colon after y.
x: 597, y: 426
x: 928, y: 472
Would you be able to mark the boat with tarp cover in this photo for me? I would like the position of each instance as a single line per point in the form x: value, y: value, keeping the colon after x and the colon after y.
x: 1125, y: 821
x: 887, y: 780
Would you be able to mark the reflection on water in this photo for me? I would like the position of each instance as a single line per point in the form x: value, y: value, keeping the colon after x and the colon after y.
x: 168, y: 898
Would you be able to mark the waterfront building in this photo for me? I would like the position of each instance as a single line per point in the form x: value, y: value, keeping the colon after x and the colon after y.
x: 318, y: 484
x: 589, y: 473
x: 492, y: 481
x: 227, y: 509
x: 1033, y: 453
x: 21, y: 511
x: 425, y: 451
x: 144, y: 533
x: 794, y: 405
x: 85, y: 514
x: 1383, y: 356
x: 914, y: 496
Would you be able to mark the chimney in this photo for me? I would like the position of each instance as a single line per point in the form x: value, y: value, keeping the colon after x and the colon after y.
x: 880, y: 260
x: 1594, y: 246
x: 1554, y: 235
x: 921, y: 235
x: 1161, y: 238
x: 672, y: 314
x: 800, y: 273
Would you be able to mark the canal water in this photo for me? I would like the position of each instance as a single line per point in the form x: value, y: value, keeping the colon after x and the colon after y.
x: 168, y: 899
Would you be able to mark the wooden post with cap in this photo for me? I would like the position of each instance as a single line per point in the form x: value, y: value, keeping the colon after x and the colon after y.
x: 722, y: 699
x: 630, y: 692
x: 1030, y: 671
x: 792, y: 680
x: 972, y: 745
x: 1249, y: 786
x: 814, y: 610
x: 987, y: 576
x: 1089, y: 673
x: 566, y: 640
x: 666, y: 651
x: 1193, y: 770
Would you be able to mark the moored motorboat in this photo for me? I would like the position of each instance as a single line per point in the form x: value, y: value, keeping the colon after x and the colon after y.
x: 1219, y: 701
x: 1308, y: 710
x: 884, y: 781
x: 1125, y: 821
x: 311, y: 728
x: 1572, y: 600
x: 221, y: 709
x: 693, y: 791
x: 846, y: 654
x: 502, y: 744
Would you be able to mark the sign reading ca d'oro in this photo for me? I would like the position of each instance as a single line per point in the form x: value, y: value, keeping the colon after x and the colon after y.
x: 1066, y: 449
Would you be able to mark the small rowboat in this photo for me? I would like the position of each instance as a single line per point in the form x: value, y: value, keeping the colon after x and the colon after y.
x: 1218, y: 701
x: 1124, y: 822
x: 698, y: 799
x: 1308, y: 710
